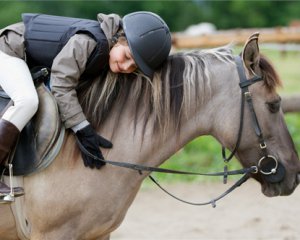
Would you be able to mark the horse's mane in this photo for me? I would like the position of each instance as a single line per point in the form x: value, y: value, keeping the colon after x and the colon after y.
x: 163, y: 98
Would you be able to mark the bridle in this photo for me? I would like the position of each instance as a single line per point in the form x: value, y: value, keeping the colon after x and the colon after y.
x: 268, y: 165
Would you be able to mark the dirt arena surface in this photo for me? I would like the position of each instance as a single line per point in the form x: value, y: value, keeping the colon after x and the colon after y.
x: 244, y: 214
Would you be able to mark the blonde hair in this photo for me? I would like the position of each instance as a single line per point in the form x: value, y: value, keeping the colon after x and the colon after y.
x: 164, y: 99
x: 98, y: 97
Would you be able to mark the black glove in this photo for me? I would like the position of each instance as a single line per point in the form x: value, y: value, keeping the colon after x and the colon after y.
x: 91, y: 142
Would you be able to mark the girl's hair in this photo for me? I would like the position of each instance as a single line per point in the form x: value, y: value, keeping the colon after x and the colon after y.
x: 119, y: 37
x: 108, y: 84
x: 99, y: 96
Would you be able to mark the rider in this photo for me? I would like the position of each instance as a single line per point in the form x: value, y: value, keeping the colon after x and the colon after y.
x: 73, y: 48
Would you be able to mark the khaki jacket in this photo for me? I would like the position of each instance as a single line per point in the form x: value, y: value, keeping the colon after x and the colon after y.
x: 66, y: 70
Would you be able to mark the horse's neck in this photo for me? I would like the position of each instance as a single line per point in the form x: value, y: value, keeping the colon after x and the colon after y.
x: 132, y: 144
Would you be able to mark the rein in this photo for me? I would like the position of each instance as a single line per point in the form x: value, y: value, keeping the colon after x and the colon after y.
x: 268, y: 165
x: 143, y: 168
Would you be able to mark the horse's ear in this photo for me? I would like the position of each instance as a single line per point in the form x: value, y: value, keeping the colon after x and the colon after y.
x: 250, y: 54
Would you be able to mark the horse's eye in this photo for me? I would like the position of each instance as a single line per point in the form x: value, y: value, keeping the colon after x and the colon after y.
x: 274, y: 106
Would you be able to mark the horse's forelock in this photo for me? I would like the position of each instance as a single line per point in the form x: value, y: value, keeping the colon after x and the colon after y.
x: 271, y: 78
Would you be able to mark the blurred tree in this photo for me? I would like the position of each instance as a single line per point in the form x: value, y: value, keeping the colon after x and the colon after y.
x: 178, y: 14
x: 174, y: 13
x: 10, y: 12
x: 232, y: 14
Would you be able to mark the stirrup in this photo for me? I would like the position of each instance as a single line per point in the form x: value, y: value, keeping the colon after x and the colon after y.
x: 10, y: 197
x: 7, y: 199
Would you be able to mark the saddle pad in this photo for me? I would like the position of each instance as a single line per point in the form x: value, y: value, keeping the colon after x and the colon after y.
x: 41, y: 139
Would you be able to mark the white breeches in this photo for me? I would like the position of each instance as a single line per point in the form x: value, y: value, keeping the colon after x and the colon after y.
x: 16, y: 81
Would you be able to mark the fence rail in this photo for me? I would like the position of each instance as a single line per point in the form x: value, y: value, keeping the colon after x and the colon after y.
x: 237, y: 36
x: 291, y: 103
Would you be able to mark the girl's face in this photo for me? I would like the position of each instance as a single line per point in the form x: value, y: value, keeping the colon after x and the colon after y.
x: 121, y: 60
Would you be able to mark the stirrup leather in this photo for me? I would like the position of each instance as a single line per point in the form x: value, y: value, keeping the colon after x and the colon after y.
x: 9, y: 197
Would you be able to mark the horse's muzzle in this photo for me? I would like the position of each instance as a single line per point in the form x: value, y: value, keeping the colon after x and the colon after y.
x: 298, y: 178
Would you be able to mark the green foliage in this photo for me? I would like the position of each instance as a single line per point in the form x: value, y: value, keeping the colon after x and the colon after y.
x: 174, y: 13
x: 287, y: 65
x: 10, y: 12
x: 235, y: 14
x: 178, y: 14
x: 293, y: 123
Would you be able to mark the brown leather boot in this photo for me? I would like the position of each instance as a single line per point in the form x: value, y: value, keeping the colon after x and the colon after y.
x: 8, y: 139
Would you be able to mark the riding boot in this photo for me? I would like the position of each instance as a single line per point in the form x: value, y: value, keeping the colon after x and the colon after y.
x: 9, y: 134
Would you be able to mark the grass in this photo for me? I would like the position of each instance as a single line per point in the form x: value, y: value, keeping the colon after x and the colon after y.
x: 204, y: 153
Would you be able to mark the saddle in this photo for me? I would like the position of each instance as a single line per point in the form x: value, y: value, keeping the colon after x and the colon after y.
x: 42, y: 137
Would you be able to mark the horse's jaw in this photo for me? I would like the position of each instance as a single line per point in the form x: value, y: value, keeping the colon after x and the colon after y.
x: 284, y: 188
x: 274, y: 190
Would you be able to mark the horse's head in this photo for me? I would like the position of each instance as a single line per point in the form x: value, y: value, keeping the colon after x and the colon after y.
x: 265, y: 141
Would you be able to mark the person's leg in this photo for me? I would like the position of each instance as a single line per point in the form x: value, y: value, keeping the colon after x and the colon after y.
x: 16, y: 81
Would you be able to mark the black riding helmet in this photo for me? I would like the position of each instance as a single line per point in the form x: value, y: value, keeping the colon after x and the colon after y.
x: 149, y: 40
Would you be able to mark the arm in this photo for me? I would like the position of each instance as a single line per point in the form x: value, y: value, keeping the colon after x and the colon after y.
x: 66, y: 70
x: 12, y: 40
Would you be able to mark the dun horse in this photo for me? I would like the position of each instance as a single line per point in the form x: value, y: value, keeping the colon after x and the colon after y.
x: 195, y: 93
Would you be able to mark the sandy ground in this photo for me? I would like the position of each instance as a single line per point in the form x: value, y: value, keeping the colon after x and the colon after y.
x: 244, y: 214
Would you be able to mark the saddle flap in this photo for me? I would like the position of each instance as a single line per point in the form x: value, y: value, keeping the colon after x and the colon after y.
x: 47, y: 122
x: 38, y: 141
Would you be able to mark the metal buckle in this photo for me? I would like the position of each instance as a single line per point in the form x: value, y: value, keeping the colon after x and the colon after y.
x: 10, y: 197
x: 247, y: 94
x: 263, y: 145
x: 255, y: 169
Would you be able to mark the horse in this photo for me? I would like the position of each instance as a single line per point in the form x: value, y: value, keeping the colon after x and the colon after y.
x: 194, y: 93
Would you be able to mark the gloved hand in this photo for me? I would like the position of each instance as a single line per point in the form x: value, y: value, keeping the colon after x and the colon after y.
x: 91, y: 142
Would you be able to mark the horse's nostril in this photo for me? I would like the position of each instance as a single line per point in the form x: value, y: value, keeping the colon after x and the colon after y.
x: 298, y: 178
